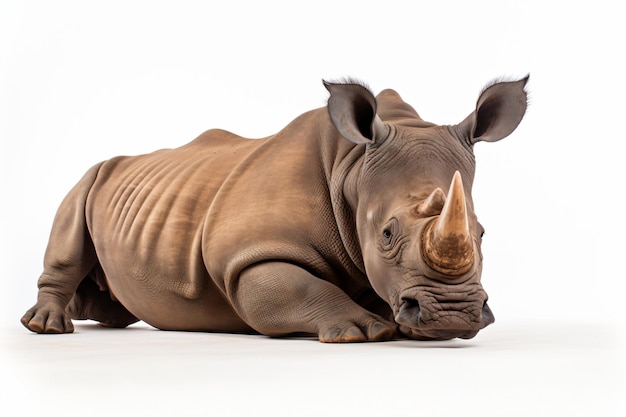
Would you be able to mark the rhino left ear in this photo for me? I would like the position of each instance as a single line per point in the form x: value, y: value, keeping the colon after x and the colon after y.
x: 352, y: 109
x: 499, y: 109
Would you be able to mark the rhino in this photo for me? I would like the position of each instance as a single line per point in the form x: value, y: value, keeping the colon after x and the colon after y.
x: 353, y: 223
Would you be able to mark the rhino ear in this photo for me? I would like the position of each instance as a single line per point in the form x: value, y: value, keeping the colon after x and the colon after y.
x: 499, y: 110
x: 352, y: 109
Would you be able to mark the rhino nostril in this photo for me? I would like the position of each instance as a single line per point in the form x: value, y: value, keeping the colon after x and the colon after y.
x: 486, y: 315
x: 409, y: 312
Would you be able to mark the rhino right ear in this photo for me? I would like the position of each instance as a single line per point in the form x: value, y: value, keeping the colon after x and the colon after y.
x: 499, y: 110
x: 352, y: 109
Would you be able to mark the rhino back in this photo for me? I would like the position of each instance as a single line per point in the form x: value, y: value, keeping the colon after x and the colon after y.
x: 145, y: 199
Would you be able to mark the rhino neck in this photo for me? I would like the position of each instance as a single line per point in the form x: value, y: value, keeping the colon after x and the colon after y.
x: 343, y: 180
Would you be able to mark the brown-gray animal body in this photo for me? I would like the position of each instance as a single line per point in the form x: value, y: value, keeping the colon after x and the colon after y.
x: 354, y: 223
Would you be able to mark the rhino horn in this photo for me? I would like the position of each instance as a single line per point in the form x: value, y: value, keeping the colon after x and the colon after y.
x: 433, y: 204
x: 447, y: 242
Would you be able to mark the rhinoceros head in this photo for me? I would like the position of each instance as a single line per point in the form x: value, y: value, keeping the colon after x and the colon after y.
x: 419, y: 236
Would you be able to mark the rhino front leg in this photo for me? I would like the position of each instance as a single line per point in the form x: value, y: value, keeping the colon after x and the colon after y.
x: 69, y: 257
x: 277, y: 299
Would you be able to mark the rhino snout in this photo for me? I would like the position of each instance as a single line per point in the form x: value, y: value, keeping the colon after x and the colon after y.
x: 411, y: 315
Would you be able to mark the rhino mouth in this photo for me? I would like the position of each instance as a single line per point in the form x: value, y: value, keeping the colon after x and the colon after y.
x: 426, y: 316
x: 433, y: 335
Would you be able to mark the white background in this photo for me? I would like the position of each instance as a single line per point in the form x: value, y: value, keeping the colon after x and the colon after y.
x: 84, y: 81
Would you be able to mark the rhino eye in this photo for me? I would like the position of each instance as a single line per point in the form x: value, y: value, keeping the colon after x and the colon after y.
x: 389, y: 231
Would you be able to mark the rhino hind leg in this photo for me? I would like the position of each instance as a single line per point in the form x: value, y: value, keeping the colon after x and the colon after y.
x: 69, y: 258
x: 92, y: 302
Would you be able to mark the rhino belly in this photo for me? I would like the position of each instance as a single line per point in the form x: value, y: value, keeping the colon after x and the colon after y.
x: 168, y: 289
x: 170, y: 302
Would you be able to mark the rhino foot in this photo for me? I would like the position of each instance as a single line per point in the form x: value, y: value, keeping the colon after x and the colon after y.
x: 47, y: 317
x: 372, y: 330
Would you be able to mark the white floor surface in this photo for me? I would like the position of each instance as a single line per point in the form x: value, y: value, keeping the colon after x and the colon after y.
x: 510, y: 369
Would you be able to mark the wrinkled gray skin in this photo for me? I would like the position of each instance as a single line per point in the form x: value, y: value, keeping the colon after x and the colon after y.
x: 353, y: 223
